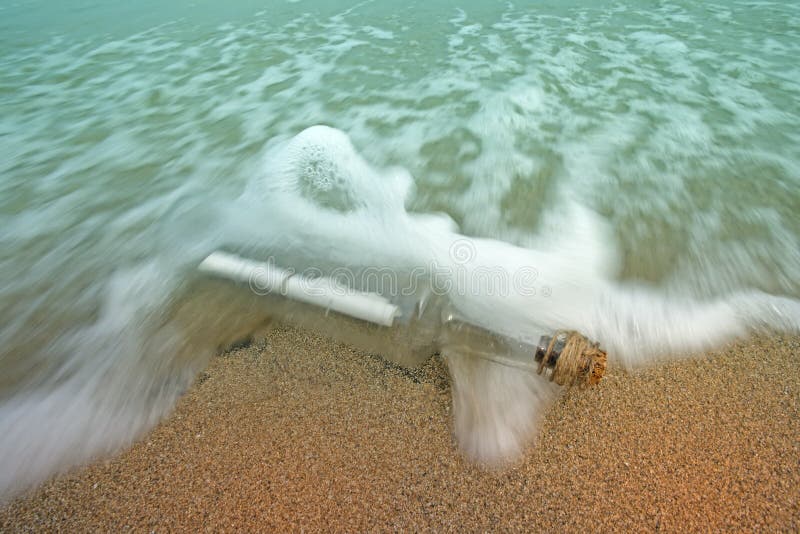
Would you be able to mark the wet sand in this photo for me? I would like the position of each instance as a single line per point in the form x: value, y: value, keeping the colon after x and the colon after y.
x: 299, y: 433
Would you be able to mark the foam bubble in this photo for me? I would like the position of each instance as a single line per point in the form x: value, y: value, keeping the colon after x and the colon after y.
x: 320, y: 166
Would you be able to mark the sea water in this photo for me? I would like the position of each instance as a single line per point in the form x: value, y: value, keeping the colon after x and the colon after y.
x: 629, y: 170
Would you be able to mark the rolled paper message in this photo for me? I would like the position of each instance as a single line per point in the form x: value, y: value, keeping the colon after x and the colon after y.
x: 319, y: 291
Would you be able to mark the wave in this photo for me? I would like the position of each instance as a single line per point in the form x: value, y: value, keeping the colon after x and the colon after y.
x: 317, y: 204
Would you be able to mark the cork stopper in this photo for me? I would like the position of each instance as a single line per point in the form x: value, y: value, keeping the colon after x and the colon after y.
x: 570, y: 359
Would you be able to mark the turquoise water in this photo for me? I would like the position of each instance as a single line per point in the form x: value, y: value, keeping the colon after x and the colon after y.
x: 133, y: 138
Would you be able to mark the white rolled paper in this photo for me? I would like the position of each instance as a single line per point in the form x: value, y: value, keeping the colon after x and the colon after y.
x: 323, y: 292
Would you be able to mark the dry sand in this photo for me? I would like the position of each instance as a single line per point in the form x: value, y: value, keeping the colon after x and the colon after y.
x: 299, y: 433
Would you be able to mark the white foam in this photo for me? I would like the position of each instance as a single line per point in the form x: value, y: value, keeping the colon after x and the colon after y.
x: 574, y: 286
x: 569, y: 285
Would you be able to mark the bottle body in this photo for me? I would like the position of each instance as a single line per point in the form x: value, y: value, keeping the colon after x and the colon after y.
x: 406, y: 329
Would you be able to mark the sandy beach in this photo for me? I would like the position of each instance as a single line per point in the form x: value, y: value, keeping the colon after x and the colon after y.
x: 295, y: 432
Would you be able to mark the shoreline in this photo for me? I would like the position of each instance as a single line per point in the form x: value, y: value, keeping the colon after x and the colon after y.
x: 299, y: 432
